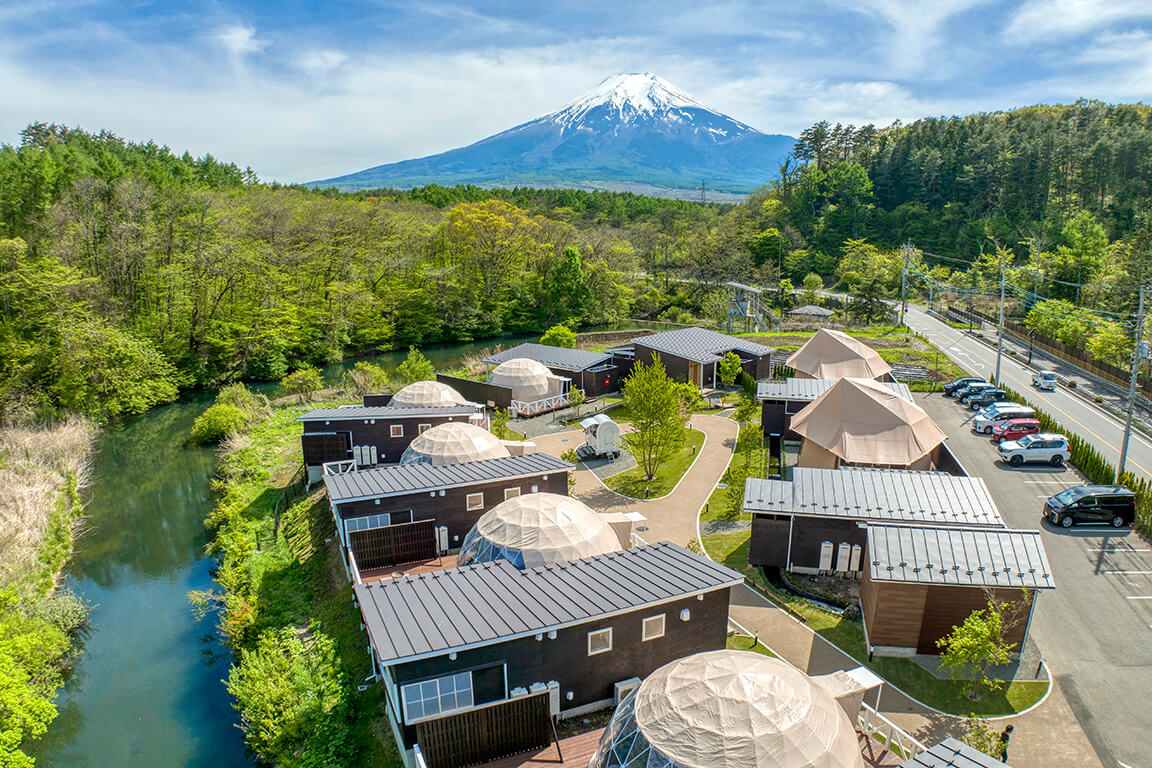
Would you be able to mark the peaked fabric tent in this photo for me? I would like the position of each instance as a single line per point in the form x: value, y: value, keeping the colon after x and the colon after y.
x: 836, y: 355
x: 729, y: 709
x: 427, y: 394
x: 861, y: 421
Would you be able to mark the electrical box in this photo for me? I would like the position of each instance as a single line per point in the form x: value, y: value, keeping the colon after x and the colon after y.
x: 825, y: 556
x: 854, y: 561
x: 842, y: 553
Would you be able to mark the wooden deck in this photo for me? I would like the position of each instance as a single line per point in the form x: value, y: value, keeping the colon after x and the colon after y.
x: 409, y: 569
x: 578, y: 750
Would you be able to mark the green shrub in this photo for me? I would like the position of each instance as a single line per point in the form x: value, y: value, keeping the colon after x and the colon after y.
x: 243, y: 398
x: 217, y: 422
x: 559, y: 336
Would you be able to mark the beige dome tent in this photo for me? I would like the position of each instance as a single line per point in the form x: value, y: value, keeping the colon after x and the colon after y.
x: 538, y: 529
x: 729, y: 709
x: 861, y: 421
x: 427, y: 394
x: 534, y: 388
x: 454, y: 443
x: 836, y: 355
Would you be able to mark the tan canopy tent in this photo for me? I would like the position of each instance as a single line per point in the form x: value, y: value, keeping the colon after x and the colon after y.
x: 863, y: 422
x: 836, y: 355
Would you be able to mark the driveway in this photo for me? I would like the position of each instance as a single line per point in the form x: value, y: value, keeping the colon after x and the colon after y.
x: 1095, y: 628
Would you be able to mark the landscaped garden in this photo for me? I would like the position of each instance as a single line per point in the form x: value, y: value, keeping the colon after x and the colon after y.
x: 631, y: 482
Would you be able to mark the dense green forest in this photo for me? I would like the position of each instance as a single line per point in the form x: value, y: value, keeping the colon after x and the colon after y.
x: 128, y: 272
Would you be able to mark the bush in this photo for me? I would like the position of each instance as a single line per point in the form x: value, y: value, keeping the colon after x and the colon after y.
x: 217, y: 422
x: 559, y: 336
x: 303, y: 382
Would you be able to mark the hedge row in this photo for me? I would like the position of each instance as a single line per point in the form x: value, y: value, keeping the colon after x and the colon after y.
x: 1093, y: 465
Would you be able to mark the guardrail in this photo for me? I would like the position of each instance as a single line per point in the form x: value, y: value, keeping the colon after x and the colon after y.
x: 353, y: 567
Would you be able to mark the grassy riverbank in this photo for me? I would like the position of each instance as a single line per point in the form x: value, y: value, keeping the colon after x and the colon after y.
x: 42, y: 471
x: 731, y: 549
x: 285, y: 608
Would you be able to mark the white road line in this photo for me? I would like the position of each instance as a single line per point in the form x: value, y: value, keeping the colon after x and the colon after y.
x: 1046, y: 482
x: 1138, y: 597
x: 1125, y: 573
x: 1118, y: 550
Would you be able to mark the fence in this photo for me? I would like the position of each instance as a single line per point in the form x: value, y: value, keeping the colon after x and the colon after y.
x: 479, y: 391
x: 874, y: 725
x: 487, y: 732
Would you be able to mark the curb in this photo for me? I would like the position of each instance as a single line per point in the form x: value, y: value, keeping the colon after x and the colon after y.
x: 696, y: 458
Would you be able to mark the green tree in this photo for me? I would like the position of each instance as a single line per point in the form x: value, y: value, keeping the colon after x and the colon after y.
x: 559, y: 336
x: 867, y: 299
x: 499, y: 423
x: 746, y: 410
x: 1112, y: 343
x: 303, y: 382
x: 812, y: 284
x: 971, y: 650
x: 576, y: 399
x: 366, y: 377
x: 729, y: 368
x: 979, y: 735
x: 415, y: 368
x: 658, y: 418
x: 217, y: 422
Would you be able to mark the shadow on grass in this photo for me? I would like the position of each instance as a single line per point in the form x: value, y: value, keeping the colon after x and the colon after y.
x: 631, y: 482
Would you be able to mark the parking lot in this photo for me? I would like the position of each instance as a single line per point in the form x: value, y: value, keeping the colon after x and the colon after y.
x: 1095, y: 628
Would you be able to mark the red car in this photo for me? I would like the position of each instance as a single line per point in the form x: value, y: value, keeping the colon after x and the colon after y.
x: 1014, y: 429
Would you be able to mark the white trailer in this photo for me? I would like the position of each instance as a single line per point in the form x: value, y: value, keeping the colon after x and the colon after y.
x: 601, y: 437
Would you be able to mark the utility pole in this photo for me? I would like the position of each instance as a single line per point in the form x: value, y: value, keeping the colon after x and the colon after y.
x: 904, y: 278
x: 1000, y: 332
x: 1137, y: 354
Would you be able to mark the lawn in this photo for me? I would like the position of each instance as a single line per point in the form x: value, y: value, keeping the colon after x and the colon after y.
x: 748, y: 461
x: 731, y: 549
x: 632, y: 483
x: 745, y: 643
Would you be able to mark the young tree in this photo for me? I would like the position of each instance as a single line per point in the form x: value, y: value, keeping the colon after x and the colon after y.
x: 812, y: 284
x: 979, y: 735
x: 729, y: 368
x: 658, y: 420
x: 366, y: 377
x: 559, y: 336
x: 980, y: 643
x: 415, y: 368
x: 745, y: 410
x: 867, y: 299
x: 499, y: 423
x: 1112, y: 343
x: 303, y: 382
x: 576, y: 399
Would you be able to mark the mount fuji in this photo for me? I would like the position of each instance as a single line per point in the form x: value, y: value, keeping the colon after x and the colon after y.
x: 634, y: 132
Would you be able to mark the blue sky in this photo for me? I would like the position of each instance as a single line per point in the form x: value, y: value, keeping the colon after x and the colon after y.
x: 302, y: 91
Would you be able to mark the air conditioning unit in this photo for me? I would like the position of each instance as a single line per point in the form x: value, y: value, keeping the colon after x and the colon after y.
x: 625, y: 687
x: 442, y: 538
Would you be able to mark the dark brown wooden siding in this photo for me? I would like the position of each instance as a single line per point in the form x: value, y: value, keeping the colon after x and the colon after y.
x: 776, y: 416
x: 388, y: 448
x: 808, y: 533
x: 394, y: 544
x: 322, y: 447
x: 479, y: 391
x: 488, y: 733
x: 566, y: 659
x: 677, y: 367
x: 593, y: 382
x: 451, y: 509
x: 769, y: 542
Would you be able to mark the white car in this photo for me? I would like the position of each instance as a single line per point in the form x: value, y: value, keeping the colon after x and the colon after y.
x: 984, y: 423
x: 1044, y: 380
x: 1045, y: 448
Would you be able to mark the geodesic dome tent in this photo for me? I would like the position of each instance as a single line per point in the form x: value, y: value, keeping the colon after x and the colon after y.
x: 537, y: 529
x: 528, y: 379
x: 453, y: 443
x: 729, y: 709
x: 427, y: 394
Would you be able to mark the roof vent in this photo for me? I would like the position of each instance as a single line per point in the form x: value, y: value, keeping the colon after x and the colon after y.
x: 875, y: 562
x: 980, y: 568
x: 929, y: 566
x: 903, y: 565
x: 915, y: 570
x: 956, y: 568
x: 969, y: 573
x: 891, y: 567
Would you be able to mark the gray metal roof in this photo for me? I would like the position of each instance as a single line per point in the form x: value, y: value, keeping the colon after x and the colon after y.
x: 807, y: 390
x: 965, y: 557
x: 878, y: 495
x: 811, y: 310
x: 699, y: 344
x: 386, y: 412
x: 952, y: 753
x: 412, y: 617
x: 412, y: 478
x: 553, y: 357
x: 743, y: 287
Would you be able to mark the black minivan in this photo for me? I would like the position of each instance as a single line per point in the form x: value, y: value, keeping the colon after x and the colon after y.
x: 1114, y: 505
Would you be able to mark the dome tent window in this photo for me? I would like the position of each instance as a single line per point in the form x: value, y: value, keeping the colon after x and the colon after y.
x: 599, y: 641
x: 652, y: 628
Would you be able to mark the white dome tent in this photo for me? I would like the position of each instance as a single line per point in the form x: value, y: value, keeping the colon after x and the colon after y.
x: 538, y: 529
x: 535, y: 389
x: 454, y: 443
x: 729, y: 709
x: 427, y: 394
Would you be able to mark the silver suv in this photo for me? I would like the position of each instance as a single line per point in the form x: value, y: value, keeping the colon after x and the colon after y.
x: 1045, y: 448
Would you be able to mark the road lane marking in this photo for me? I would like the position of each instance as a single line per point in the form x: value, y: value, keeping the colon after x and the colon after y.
x: 1126, y: 573
x: 1138, y: 597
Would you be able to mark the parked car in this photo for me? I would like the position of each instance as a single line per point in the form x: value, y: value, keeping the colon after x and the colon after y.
x: 1000, y: 405
x: 951, y: 387
x: 987, y: 397
x: 1112, y: 504
x: 1014, y: 429
x: 985, y: 424
x: 1045, y: 448
x: 1044, y: 380
x: 972, y: 389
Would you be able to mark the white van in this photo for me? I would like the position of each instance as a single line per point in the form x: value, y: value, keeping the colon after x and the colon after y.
x: 984, y: 423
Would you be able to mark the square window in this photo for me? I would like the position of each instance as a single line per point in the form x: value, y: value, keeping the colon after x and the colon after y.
x: 474, y: 501
x: 396, y: 430
x: 422, y: 428
x: 599, y: 641
x: 652, y: 628
x: 511, y: 493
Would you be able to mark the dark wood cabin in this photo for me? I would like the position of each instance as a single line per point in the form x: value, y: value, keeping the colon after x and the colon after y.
x: 371, y: 435
x: 594, y: 373
x: 781, y: 399
x: 922, y: 581
x: 817, y: 522
x: 477, y: 662
x: 392, y: 515
x: 694, y: 354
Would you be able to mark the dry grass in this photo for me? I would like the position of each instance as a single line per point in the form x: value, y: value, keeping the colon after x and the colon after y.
x: 35, y: 464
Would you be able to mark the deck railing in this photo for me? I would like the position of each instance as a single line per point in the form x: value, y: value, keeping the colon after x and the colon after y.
x: 353, y: 568
x: 339, y: 467
x: 535, y: 407
x: 874, y: 725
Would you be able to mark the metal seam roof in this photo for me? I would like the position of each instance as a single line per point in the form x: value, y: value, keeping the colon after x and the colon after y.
x: 952, y: 753
x: 806, y: 390
x: 958, y: 556
x: 552, y: 357
x: 397, y: 479
x: 358, y: 412
x: 699, y: 344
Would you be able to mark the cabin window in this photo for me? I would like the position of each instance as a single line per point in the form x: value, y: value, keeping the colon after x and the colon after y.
x: 367, y: 522
x: 599, y: 641
x: 430, y: 698
x: 653, y: 627
x: 511, y: 493
x: 474, y: 501
x: 396, y: 430
x: 422, y: 428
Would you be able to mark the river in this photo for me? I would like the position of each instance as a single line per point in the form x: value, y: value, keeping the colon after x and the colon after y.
x: 147, y: 690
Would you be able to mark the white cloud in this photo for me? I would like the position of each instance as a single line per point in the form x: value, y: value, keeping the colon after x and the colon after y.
x: 240, y: 41
x: 321, y: 62
x: 914, y: 47
x: 1041, y: 20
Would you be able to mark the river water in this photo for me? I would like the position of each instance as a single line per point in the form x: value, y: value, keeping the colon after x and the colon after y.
x: 147, y: 690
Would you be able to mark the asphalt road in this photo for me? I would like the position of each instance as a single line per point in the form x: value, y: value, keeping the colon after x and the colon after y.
x: 1095, y: 628
x: 1076, y: 414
